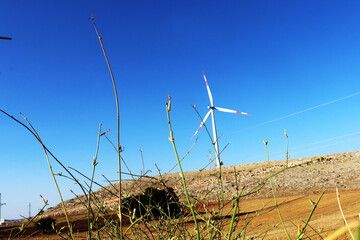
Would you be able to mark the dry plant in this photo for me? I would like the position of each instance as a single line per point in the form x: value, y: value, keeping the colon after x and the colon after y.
x: 156, y: 212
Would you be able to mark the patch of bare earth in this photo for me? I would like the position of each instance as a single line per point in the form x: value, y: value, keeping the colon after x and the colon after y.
x: 305, y: 179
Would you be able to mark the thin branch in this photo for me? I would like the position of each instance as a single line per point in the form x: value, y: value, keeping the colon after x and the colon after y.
x: 342, y: 213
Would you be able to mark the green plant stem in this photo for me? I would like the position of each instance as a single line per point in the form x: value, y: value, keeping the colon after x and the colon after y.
x: 217, y: 156
x: 118, y: 125
x: 94, y: 182
x: 23, y: 227
x: 51, y: 154
x: 274, y: 194
x: 94, y: 163
x: 214, y: 227
x: 171, y: 138
x: 53, y: 176
x: 310, y: 215
x: 287, y: 148
x: 234, y: 214
x: 183, y: 156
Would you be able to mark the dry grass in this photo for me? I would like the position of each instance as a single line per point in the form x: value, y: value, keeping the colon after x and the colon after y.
x: 295, y: 210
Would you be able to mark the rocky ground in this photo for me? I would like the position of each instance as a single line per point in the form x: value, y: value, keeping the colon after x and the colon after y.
x: 304, y: 176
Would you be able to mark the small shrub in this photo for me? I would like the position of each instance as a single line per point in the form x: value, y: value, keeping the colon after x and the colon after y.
x: 154, y: 203
x: 45, y: 224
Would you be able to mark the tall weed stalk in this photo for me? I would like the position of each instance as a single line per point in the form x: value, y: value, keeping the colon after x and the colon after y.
x: 172, y: 140
x: 273, y: 190
x: 119, y: 149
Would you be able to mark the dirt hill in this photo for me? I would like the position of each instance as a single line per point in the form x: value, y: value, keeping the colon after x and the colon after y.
x: 305, y: 176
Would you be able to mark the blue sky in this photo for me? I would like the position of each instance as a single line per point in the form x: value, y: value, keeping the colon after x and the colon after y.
x: 268, y: 58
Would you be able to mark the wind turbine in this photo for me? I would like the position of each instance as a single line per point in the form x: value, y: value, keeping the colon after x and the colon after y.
x: 211, y: 111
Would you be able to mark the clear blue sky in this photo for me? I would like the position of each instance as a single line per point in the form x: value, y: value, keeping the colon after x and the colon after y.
x: 268, y: 58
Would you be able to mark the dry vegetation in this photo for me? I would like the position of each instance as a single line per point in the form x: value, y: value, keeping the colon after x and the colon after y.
x: 268, y: 200
x: 294, y: 188
x: 310, y: 176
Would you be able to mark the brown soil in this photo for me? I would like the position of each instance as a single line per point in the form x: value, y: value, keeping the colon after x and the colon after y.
x: 305, y: 179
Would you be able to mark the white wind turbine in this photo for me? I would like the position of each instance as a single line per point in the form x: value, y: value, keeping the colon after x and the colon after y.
x: 211, y: 111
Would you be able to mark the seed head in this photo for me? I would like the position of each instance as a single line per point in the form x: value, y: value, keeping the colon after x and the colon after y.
x: 169, y: 103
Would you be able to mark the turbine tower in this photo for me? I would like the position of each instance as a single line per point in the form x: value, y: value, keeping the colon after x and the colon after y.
x: 1, y: 204
x: 29, y: 210
x: 211, y: 111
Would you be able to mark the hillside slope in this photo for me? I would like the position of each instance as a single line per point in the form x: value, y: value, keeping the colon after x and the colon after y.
x: 304, y: 176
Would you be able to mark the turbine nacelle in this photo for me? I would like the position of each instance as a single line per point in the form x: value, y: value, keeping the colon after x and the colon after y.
x: 211, y: 111
x: 227, y: 110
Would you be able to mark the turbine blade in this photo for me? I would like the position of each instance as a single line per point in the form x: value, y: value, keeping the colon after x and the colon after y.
x: 208, y: 90
x: 231, y: 111
x: 202, y: 123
